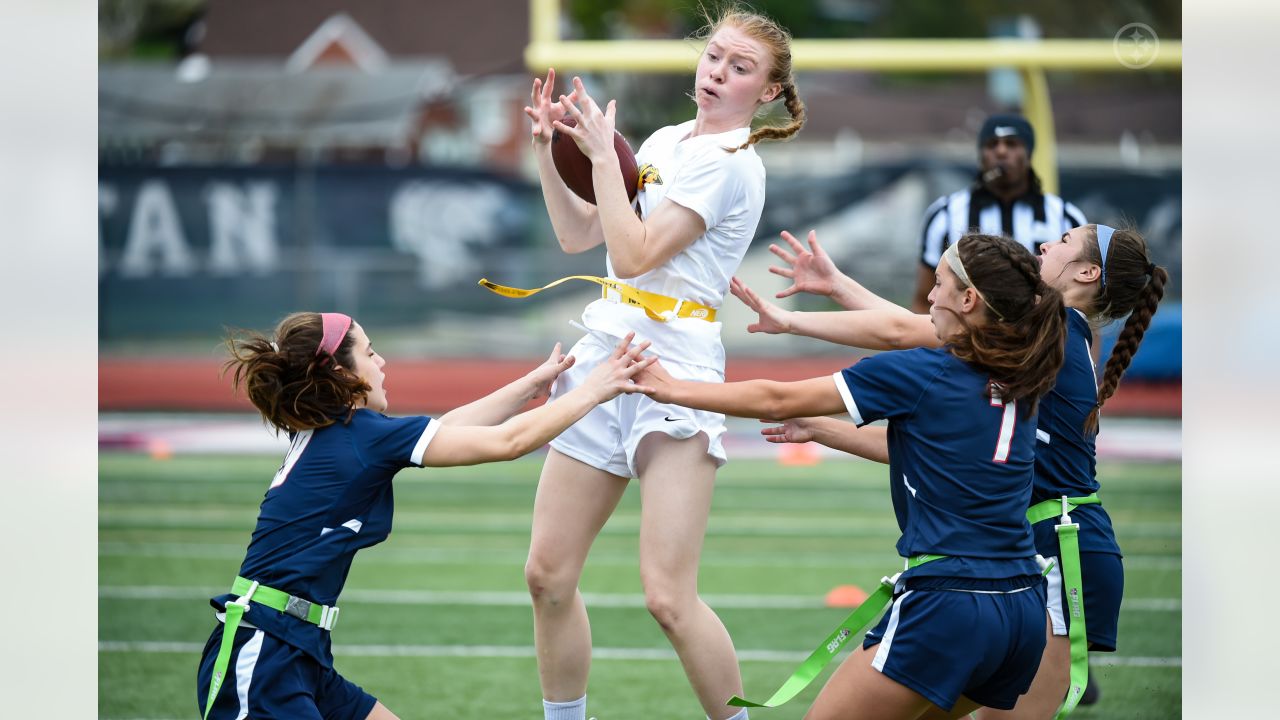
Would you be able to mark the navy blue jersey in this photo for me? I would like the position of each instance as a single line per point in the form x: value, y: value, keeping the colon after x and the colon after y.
x: 330, y: 498
x: 960, y: 462
x: 1065, y: 453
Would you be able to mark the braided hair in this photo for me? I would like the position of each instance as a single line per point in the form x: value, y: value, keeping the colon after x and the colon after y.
x: 1134, y: 287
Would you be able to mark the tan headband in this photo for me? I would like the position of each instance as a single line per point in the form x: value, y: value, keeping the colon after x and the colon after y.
x: 952, y: 256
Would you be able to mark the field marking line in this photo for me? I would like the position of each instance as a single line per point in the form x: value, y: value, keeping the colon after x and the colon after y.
x: 505, y: 557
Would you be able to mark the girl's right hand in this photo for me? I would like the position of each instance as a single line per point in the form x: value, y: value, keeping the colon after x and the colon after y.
x: 773, y: 319
x: 613, y: 377
x: 544, y: 110
x: 795, y: 430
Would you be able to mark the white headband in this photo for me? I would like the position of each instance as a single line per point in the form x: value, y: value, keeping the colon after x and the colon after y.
x: 952, y: 256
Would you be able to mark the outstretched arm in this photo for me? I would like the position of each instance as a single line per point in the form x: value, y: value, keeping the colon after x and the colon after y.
x: 812, y: 271
x: 876, y: 329
x: 507, y: 401
x: 870, y: 442
x: 575, y: 221
x: 635, y: 246
x: 766, y: 399
x: 471, y: 445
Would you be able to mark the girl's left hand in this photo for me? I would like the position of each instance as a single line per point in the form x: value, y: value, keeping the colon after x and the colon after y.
x: 657, y: 379
x: 594, y: 131
x: 772, y: 319
x: 795, y: 430
x: 545, y: 374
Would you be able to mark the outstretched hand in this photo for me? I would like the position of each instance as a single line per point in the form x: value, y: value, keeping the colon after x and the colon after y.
x: 795, y: 430
x: 656, y: 380
x: 594, y: 131
x: 772, y: 319
x: 809, y: 269
x: 543, y: 109
x: 545, y: 374
x: 615, y: 376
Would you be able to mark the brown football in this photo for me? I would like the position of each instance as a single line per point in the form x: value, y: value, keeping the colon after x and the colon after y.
x: 575, y: 168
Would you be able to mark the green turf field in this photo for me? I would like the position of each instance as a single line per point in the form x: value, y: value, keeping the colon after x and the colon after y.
x: 436, y: 623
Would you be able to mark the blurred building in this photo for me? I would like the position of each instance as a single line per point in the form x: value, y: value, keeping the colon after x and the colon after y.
x: 391, y: 82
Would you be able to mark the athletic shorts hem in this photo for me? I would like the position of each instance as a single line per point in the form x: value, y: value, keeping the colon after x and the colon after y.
x: 1103, y: 645
x: 714, y: 450
x: 587, y: 458
x: 912, y: 684
x: 995, y: 703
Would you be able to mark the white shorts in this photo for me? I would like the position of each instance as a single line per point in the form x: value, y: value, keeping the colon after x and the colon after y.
x: 607, y: 437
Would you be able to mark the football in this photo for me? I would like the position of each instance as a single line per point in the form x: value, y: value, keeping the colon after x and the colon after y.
x: 575, y: 168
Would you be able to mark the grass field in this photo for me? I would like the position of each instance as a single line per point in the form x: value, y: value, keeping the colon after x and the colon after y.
x: 436, y: 621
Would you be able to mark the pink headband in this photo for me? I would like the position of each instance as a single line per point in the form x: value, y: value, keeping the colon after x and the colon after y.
x: 335, y: 329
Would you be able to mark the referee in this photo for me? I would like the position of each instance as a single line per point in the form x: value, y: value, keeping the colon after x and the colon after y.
x: 1004, y: 199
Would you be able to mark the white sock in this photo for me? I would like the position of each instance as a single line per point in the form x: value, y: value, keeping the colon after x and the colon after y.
x: 572, y: 710
x: 740, y: 715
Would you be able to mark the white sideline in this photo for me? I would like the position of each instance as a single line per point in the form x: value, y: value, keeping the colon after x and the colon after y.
x: 462, y: 556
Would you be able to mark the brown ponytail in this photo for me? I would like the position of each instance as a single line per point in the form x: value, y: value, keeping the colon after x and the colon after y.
x: 1134, y: 287
x: 1023, y: 351
x: 292, y: 386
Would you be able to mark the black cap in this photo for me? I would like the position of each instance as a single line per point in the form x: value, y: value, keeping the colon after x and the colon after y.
x: 1008, y: 124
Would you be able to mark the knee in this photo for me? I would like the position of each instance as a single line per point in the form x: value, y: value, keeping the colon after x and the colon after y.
x: 549, y: 582
x: 666, y: 608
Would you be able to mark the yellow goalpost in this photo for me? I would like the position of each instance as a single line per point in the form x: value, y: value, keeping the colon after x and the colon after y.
x: 1031, y: 57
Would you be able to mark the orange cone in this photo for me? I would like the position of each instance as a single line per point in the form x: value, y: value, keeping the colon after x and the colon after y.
x: 159, y: 450
x: 845, y: 596
x: 798, y: 454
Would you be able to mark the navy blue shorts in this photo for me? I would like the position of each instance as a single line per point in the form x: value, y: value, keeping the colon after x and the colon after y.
x: 947, y: 643
x: 1103, y: 577
x: 267, y: 678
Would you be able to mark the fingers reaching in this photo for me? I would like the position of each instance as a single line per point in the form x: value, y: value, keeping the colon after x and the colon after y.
x: 745, y: 294
x: 580, y: 90
x: 796, y: 247
x: 621, y: 348
x: 813, y: 243
x: 783, y: 255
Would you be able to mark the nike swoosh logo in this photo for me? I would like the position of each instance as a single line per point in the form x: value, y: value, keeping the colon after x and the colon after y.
x: 671, y: 419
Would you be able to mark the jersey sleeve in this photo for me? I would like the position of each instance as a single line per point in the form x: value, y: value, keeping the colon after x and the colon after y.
x: 887, y: 386
x: 935, y: 232
x: 707, y: 186
x: 399, y: 442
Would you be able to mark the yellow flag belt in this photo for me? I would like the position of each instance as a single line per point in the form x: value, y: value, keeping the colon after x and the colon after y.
x: 659, y: 307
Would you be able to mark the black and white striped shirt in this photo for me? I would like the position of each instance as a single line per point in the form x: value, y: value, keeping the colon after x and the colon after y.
x: 1032, y: 219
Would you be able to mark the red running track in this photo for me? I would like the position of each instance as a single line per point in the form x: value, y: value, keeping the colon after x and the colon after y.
x: 425, y: 386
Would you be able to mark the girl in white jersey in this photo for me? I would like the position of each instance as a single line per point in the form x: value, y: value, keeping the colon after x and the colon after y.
x: 698, y: 212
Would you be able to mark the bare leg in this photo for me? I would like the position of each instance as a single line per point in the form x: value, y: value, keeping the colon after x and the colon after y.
x: 677, y: 479
x: 573, y: 502
x: 1049, y: 687
x: 857, y: 691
